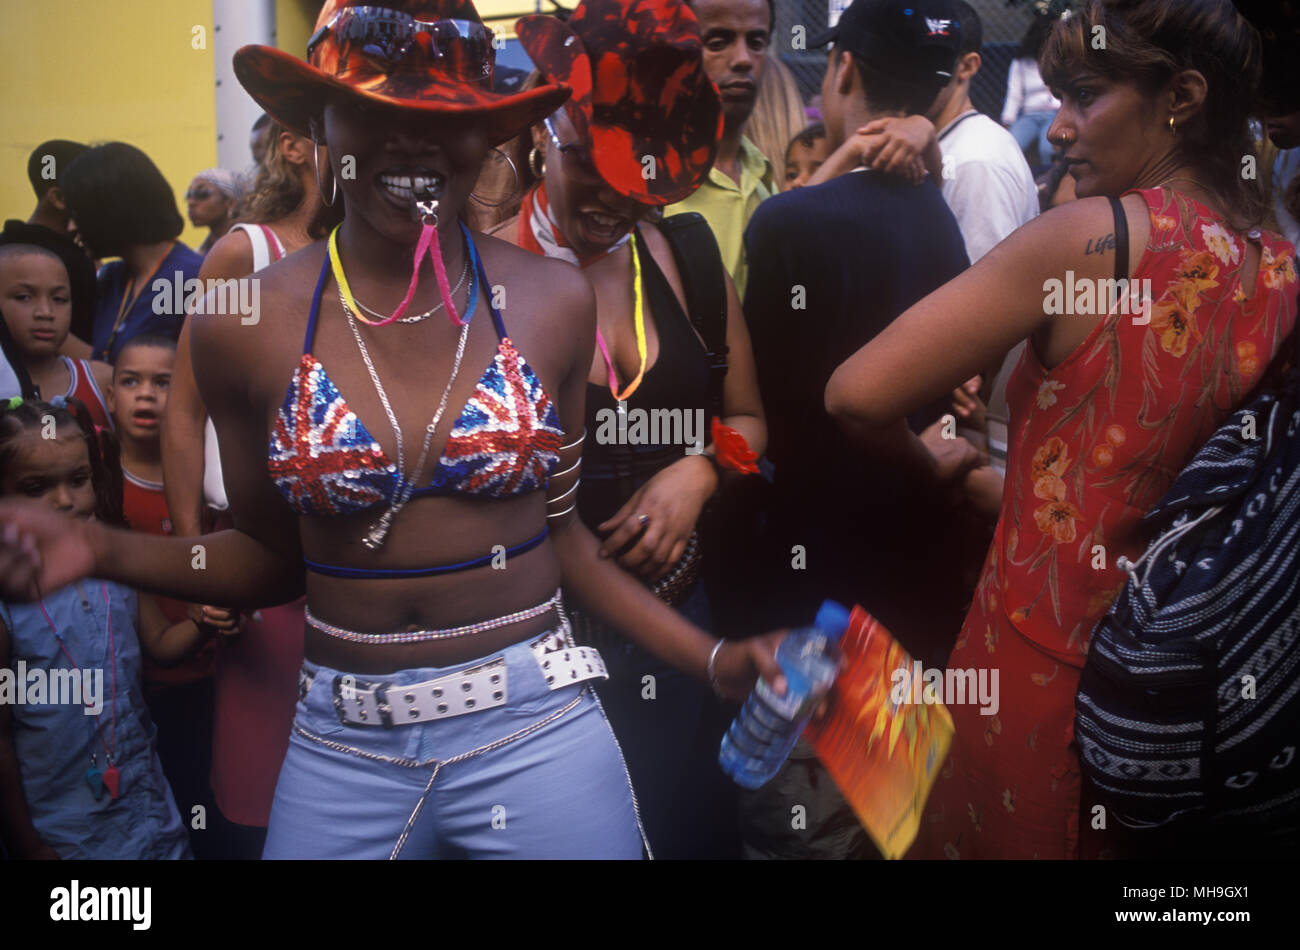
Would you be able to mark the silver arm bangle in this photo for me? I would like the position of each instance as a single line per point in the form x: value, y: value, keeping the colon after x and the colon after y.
x: 581, y: 439
x: 560, y: 514
x: 561, y: 497
x: 577, y: 464
x: 713, y: 676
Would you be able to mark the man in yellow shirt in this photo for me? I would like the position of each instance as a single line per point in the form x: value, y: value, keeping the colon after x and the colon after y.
x: 736, y: 34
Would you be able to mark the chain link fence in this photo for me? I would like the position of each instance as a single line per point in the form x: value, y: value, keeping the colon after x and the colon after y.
x: 1004, y: 26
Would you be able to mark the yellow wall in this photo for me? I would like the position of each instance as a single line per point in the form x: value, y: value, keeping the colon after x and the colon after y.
x: 125, y: 70
x: 294, y: 20
x: 504, y: 13
x: 95, y: 72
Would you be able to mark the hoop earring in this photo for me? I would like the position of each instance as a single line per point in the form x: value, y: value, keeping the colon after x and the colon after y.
x: 513, y: 191
x: 536, y: 163
x: 334, y: 194
x: 1172, y: 129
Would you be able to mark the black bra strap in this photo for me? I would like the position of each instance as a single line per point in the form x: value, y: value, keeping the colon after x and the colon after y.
x: 1121, y: 239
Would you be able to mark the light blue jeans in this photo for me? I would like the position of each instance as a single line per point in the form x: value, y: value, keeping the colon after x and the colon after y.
x: 539, y: 777
x: 1032, y: 127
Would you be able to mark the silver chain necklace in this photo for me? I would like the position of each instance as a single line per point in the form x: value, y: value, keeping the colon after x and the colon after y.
x: 416, y: 318
x: 375, y: 537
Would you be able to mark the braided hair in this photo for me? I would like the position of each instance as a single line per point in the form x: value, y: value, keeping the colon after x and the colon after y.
x: 18, y: 416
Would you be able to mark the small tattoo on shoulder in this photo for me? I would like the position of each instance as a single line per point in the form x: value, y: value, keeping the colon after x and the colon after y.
x: 1100, y: 245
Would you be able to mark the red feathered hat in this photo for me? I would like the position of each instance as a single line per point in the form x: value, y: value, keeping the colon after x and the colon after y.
x: 640, y: 91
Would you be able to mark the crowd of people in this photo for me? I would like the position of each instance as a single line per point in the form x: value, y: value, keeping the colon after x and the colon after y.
x: 527, y: 637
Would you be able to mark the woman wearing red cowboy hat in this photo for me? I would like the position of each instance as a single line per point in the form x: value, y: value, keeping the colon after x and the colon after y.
x: 641, y: 131
x: 422, y: 500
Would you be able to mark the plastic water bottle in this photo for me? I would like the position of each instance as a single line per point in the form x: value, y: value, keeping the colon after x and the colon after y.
x: 768, y: 726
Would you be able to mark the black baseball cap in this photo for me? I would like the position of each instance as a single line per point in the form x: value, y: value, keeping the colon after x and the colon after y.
x: 913, y: 40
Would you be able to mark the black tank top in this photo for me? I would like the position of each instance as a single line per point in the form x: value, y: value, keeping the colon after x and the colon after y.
x: 678, y: 380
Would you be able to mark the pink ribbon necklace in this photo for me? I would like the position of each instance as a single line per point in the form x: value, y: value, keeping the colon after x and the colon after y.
x: 425, y: 210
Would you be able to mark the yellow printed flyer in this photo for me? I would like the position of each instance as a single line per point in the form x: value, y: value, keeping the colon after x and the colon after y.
x: 880, y: 741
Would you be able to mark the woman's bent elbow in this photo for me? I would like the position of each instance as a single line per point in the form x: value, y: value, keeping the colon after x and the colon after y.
x: 839, y: 402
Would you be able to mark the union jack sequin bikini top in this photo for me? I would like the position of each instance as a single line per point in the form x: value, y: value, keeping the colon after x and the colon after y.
x: 325, y: 462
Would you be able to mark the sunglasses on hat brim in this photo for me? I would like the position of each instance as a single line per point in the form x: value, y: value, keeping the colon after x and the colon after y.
x: 576, y: 157
x: 390, y: 39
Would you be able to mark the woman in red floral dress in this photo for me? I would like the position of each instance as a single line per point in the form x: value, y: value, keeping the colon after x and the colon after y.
x: 1108, y: 403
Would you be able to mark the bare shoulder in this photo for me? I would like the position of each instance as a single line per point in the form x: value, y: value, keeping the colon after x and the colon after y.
x: 662, y: 251
x: 1085, y: 215
x: 230, y: 256
x: 657, y: 243
x: 506, y: 230
x: 545, y: 285
x: 1077, y: 217
x: 1079, y: 234
x: 245, y: 355
x: 654, y: 238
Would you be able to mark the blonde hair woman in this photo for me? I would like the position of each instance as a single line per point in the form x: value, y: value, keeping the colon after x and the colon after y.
x: 779, y: 113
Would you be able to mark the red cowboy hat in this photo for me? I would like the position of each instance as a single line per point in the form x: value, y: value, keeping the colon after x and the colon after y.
x: 640, y: 92
x: 433, y: 56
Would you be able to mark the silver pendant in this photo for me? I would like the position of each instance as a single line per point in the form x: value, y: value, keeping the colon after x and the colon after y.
x: 425, y: 210
x: 375, y: 537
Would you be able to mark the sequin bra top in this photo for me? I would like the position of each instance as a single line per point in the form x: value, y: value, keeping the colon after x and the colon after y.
x: 324, y: 461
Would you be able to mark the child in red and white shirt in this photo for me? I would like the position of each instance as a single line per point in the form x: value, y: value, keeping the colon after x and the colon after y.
x: 179, y: 697
x: 36, y: 299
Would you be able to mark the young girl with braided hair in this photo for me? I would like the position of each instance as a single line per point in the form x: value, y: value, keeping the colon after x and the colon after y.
x: 79, y: 774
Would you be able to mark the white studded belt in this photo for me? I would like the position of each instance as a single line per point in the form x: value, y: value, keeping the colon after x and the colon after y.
x: 377, y: 703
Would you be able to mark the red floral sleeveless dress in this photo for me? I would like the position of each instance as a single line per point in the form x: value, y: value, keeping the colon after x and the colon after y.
x: 1094, y: 444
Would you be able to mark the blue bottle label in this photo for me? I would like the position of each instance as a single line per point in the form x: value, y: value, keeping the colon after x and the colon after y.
x: 787, y: 706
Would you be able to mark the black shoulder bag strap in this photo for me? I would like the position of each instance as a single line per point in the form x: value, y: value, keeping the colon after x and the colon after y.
x: 700, y: 264
x: 1121, y: 239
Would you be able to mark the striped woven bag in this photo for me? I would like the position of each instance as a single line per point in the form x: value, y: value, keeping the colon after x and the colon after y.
x: 1188, y: 710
